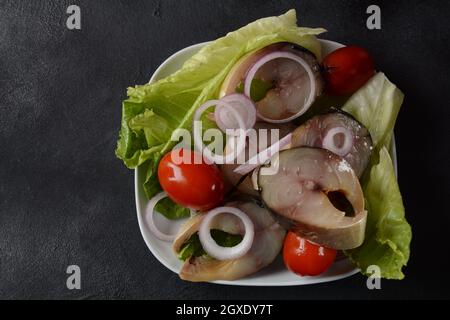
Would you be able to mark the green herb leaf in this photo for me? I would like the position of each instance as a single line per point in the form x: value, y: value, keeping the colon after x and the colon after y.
x: 258, y: 89
x: 171, y: 210
x: 193, y: 247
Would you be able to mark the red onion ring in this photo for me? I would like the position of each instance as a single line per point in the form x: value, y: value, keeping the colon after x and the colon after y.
x: 329, y: 143
x: 263, y: 156
x: 242, y: 104
x: 149, y: 217
x: 287, y: 55
x: 198, y: 141
x: 226, y: 253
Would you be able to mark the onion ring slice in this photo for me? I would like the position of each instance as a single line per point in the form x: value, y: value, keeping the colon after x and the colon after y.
x: 226, y: 253
x: 198, y: 141
x: 242, y: 104
x: 287, y: 55
x: 149, y: 218
x: 329, y: 142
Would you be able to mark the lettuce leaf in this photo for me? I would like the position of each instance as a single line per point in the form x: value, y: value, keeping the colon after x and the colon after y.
x: 174, y: 99
x: 155, y: 127
x: 376, y: 105
x: 171, y: 210
x: 388, y: 234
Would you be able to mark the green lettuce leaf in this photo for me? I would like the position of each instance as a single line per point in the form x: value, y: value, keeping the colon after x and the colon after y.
x: 176, y: 97
x: 388, y: 234
x: 154, y: 127
x: 171, y: 210
x: 376, y: 105
x: 193, y: 247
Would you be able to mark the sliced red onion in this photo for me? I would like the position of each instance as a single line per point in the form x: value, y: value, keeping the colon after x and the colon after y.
x: 330, y: 144
x: 198, y: 141
x: 287, y: 55
x: 243, y: 105
x: 226, y: 253
x: 149, y: 217
x: 263, y: 156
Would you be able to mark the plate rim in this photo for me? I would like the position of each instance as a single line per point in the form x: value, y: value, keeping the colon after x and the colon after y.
x: 241, y: 282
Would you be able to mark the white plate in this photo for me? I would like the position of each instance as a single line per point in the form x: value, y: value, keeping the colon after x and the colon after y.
x: 274, y: 275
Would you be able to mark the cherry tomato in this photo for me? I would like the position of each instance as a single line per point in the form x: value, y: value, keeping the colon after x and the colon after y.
x: 347, y: 69
x: 304, y: 257
x: 189, y: 180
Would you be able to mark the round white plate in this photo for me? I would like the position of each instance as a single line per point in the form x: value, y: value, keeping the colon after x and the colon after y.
x: 274, y: 275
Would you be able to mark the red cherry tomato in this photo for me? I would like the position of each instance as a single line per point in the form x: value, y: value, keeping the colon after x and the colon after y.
x: 347, y: 69
x: 304, y: 257
x: 191, y: 182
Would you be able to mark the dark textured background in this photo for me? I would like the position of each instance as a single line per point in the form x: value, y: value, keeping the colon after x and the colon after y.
x: 64, y: 197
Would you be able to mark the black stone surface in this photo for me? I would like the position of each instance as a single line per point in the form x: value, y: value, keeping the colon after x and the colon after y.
x: 64, y: 197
